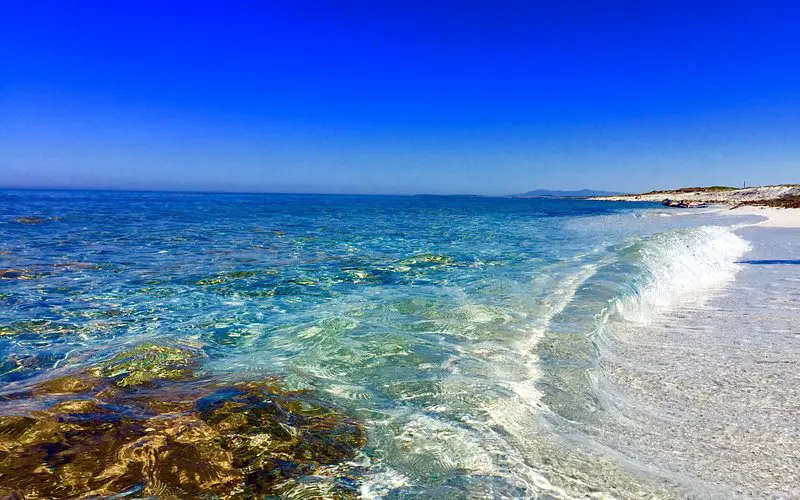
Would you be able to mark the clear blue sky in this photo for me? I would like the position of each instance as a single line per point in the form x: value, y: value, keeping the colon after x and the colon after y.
x: 490, y: 97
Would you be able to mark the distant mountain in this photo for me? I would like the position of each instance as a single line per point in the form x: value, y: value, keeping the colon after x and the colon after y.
x: 547, y: 193
x: 426, y: 195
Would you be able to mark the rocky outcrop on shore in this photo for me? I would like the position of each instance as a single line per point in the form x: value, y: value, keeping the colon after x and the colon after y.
x: 718, y: 194
x: 790, y: 201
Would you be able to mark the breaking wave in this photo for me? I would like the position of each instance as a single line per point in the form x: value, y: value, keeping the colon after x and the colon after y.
x: 636, y: 283
x: 682, y: 266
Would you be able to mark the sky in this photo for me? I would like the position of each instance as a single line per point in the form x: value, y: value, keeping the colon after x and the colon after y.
x: 494, y: 97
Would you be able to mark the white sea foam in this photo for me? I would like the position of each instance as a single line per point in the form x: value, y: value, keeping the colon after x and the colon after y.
x: 678, y: 267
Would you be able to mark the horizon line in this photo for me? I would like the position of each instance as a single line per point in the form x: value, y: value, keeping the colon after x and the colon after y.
x: 307, y: 193
x: 199, y: 191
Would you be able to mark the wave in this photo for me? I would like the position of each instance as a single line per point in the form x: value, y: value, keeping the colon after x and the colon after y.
x: 635, y: 283
x: 682, y: 266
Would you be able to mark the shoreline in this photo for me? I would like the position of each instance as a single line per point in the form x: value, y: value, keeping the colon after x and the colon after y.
x: 703, y: 393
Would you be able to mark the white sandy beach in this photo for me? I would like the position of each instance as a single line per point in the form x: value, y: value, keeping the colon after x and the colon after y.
x: 776, y: 217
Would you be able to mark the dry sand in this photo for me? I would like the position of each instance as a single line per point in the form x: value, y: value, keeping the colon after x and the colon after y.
x: 776, y: 217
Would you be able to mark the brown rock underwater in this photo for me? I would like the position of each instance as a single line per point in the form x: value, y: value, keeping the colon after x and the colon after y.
x: 143, y: 424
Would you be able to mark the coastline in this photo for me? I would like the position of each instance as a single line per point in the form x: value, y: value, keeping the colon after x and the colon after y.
x: 716, y: 195
x: 779, y: 204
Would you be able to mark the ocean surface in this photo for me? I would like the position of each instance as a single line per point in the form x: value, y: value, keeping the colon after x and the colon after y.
x: 467, y: 336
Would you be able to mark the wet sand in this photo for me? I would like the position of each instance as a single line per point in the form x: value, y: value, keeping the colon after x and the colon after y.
x: 710, y: 394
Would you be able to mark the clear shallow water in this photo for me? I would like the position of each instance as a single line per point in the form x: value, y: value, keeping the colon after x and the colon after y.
x: 463, y: 332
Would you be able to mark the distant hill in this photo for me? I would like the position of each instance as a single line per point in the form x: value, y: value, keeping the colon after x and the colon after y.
x: 426, y: 195
x: 583, y: 193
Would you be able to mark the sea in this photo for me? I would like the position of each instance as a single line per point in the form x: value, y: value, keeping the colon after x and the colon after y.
x: 471, y: 338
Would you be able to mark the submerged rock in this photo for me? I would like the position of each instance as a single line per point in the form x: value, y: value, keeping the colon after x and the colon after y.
x: 274, y: 436
x: 147, y: 363
x: 63, y: 452
x: 286, y: 425
x: 427, y: 258
x: 108, y: 434
x: 235, y: 276
x: 42, y: 271
x: 303, y: 281
x: 69, y: 384
x: 16, y: 274
x: 38, y: 327
x: 30, y: 220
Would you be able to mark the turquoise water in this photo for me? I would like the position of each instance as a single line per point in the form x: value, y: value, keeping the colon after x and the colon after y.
x: 463, y: 332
